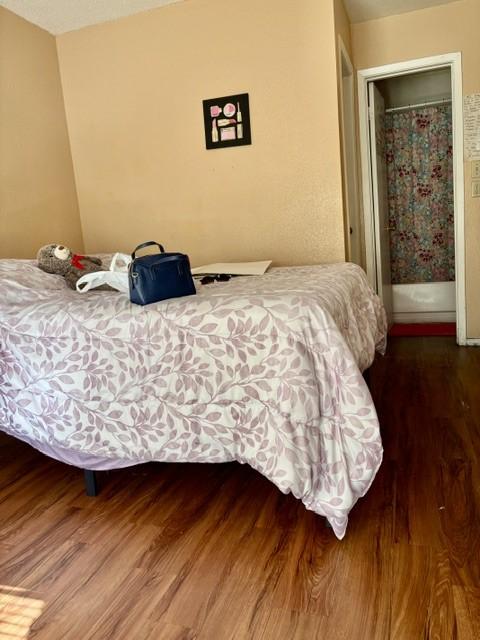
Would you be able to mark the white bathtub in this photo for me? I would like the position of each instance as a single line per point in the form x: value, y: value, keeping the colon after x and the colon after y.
x: 424, y: 302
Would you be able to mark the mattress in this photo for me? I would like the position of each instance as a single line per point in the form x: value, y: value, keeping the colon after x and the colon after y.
x: 264, y: 370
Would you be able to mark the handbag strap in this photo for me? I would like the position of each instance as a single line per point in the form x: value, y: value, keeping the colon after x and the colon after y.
x: 147, y: 244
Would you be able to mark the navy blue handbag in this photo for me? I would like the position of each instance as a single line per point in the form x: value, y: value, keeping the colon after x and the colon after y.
x: 159, y: 276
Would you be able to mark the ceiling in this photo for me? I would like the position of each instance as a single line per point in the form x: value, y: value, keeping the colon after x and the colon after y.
x: 59, y: 16
x: 361, y: 10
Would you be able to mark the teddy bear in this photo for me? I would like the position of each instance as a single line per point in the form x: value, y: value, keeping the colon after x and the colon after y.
x: 58, y: 259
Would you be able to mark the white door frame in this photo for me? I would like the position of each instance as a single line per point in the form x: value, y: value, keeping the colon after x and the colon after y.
x: 453, y: 61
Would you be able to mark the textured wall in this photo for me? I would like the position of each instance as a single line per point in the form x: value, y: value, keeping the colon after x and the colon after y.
x: 133, y: 93
x: 443, y: 29
x: 38, y: 202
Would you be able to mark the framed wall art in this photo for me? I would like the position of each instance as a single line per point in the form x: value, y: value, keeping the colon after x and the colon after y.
x: 227, y: 121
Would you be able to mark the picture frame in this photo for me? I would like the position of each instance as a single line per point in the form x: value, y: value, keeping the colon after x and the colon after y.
x: 227, y: 121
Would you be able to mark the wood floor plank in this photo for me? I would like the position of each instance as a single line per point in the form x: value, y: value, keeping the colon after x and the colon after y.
x: 216, y: 552
x: 413, y: 582
x: 442, y: 622
x: 467, y: 612
x: 104, y: 582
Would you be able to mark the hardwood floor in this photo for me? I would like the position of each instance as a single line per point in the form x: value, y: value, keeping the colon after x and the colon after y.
x: 215, y: 552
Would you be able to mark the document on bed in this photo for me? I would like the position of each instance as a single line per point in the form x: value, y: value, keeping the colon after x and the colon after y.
x: 233, y: 268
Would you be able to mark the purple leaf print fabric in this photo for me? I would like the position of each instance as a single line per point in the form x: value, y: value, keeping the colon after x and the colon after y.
x: 263, y: 370
x: 420, y: 191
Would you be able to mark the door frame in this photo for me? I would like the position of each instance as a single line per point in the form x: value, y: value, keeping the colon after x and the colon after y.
x: 453, y: 61
x: 348, y: 122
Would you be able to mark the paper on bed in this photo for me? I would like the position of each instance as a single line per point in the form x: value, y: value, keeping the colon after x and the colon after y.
x: 234, y: 268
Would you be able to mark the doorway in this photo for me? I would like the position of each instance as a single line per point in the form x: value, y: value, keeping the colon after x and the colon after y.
x: 411, y: 138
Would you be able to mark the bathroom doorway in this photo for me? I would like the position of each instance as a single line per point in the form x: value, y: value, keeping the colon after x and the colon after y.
x: 412, y: 163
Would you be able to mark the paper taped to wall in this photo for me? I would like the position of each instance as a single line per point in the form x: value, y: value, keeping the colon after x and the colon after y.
x: 233, y: 268
x: 471, y: 126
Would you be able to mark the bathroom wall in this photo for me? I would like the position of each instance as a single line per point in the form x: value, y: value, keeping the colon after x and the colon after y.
x: 416, y: 88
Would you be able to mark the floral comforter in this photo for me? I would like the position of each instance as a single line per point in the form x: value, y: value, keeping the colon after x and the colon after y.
x: 263, y: 370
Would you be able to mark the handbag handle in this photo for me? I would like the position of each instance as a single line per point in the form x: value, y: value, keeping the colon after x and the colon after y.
x: 147, y: 244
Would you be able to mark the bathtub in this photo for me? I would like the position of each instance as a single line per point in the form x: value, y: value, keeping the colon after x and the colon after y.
x: 424, y: 302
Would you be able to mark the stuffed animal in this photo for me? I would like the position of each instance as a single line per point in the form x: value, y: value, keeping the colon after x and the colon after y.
x: 55, y: 258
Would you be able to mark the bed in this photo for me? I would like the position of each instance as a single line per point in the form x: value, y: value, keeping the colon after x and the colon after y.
x: 263, y: 370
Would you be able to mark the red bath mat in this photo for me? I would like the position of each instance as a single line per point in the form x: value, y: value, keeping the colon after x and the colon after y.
x: 429, y: 329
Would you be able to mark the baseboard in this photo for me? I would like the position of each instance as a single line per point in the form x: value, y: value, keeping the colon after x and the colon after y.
x: 472, y: 342
x: 424, y: 317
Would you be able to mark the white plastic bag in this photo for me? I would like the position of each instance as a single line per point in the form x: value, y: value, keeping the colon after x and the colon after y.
x: 116, y: 277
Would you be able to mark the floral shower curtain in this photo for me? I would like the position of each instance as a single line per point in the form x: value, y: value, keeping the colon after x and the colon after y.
x: 420, y: 194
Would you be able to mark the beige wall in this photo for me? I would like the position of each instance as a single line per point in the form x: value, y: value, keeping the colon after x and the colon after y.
x: 443, y: 29
x: 342, y: 25
x: 37, y: 192
x: 133, y: 93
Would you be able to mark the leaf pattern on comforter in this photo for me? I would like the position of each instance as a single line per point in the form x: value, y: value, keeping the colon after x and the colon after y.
x: 263, y: 370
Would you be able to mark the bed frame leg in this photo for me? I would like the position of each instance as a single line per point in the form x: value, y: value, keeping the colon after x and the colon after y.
x: 91, y: 484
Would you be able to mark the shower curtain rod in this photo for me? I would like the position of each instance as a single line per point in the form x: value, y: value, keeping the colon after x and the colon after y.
x: 417, y: 106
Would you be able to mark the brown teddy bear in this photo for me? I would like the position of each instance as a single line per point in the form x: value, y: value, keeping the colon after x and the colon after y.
x: 55, y: 258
